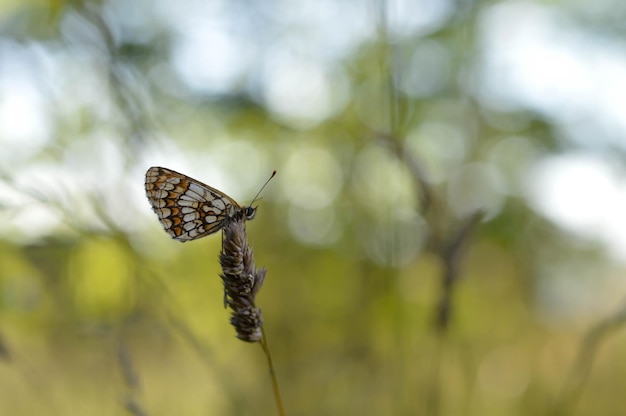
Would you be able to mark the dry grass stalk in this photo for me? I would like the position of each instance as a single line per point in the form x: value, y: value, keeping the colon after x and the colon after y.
x: 242, y: 281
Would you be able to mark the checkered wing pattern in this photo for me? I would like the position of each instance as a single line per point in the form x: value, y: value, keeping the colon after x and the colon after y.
x: 187, y: 208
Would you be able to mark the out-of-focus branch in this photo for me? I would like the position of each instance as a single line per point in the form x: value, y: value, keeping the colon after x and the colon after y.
x: 450, y: 249
x: 131, y: 380
x: 126, y: 90
x: 451, y: 254
x: 423, y: 188
x: 5, y: 354
x: 581, y: 368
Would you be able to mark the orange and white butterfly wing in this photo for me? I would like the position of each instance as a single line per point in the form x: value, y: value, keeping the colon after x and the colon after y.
x: 187, y: 208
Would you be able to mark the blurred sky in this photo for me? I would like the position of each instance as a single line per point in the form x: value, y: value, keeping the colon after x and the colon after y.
x: 534, y: 56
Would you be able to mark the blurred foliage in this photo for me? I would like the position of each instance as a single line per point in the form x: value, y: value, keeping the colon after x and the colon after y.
x: 408, y: 270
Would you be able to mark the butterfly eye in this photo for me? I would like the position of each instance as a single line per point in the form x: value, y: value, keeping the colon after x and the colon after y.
x: 250, y: 212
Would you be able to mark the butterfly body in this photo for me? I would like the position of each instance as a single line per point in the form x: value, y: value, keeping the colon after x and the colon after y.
x: 189, y: 209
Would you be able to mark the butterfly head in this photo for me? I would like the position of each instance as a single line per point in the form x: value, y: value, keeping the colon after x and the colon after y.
x: 249, y: 212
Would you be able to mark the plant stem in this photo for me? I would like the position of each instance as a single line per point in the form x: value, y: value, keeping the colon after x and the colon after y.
x: 266, y: 350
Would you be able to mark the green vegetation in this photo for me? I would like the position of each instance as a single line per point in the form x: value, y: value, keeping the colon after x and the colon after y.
x: 412, y: 267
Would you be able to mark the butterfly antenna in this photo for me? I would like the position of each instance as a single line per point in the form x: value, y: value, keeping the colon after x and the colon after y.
x: 263, y: 187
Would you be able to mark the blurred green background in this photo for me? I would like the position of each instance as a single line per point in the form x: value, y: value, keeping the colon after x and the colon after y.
x: 446, y: 234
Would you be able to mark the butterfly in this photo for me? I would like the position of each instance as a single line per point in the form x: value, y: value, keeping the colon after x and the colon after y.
x: 189, y: 209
